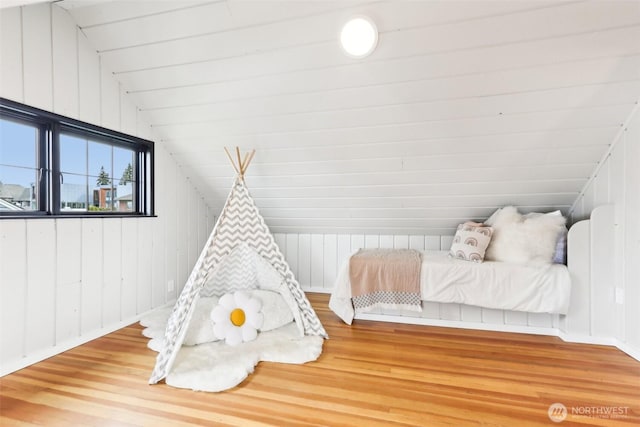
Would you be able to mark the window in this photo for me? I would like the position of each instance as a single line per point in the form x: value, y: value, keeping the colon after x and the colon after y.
x: 19, y: 169
x: 53, y: 165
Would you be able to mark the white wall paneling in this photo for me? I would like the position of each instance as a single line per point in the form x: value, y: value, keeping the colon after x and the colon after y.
x: 112, y: 271
x: 68, y: 279
x: 128, y: 119
x: 159, y: 274
x: 492, y: 316
x: 329, y: 260
x: 65, y: 281
x: 165, y: 209
x: 36, y: 56
x: 182, y: 217
x: 193, y: 250
x: 129, y: 268
x: 65, y: 64
x: 580, y: 299
x: 89, y: 76
x: 11, y: 78
x: 13, y: 289
x: 109, y: 99
x: 41, y: 289
x: 603, y: 287
x: 304, y: 258
x: 92, y: 275
x: 143, y: 283
x: 629, y: 268
x: 470, y: 313
x: 317, y: 261
x: 614, y: 308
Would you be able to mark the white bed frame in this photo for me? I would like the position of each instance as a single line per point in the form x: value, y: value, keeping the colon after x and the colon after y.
x: 590, y: 262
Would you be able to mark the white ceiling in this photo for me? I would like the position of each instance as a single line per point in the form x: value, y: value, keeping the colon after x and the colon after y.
x: 463, y: 107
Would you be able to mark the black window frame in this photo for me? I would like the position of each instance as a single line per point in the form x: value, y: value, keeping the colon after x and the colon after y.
x: 51, y: 126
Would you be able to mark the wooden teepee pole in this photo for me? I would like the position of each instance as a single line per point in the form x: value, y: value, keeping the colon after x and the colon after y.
x: 242, y: 164
x: 231, y: 160
x: 248, y: 159
x: 239, y: 162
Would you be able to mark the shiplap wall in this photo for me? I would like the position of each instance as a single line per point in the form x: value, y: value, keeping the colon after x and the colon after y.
x: 66, y: 281
x: 316, y: 258
x: 617, y: 182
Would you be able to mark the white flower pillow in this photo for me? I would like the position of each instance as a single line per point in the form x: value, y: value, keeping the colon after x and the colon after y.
x: 237, y: 318
x: 470, y: 242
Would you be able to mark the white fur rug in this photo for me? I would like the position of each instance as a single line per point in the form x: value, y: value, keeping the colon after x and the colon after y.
x: 215, y: 366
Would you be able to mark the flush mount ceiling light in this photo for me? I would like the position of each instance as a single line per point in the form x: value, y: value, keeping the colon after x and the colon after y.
x: 359, y: 37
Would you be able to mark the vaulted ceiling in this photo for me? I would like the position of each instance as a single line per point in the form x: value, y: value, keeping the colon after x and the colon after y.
x: 462, y: 108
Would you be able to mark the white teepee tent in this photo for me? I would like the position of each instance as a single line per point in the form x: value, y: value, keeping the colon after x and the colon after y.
x: 235, y: 256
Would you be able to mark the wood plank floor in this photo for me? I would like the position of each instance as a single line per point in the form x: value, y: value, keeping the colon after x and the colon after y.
x: 370, y: 374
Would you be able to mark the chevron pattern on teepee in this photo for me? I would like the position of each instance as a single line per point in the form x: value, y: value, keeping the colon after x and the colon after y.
x: 243, y: 223
x: 239, y: 222
x: 228, y: 277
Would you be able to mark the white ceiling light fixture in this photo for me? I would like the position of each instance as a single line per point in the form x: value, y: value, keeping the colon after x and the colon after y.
x: 359, y: 37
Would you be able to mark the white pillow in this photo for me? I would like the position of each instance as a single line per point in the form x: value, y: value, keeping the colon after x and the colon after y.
x: 493, y: 217
x: 200, y: 329
x: 275, y: 309
x: 524, y: 239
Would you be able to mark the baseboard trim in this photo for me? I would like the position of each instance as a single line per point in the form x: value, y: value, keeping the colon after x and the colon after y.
x: 631, y: 351
x: 316, y: 290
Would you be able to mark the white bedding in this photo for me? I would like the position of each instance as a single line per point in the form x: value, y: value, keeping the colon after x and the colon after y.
x: 498, y: 285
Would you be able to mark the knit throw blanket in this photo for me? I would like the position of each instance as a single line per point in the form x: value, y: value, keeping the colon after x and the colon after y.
x: 385, y: 278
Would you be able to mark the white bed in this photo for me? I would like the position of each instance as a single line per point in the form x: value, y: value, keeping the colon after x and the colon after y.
x: 542, y: 288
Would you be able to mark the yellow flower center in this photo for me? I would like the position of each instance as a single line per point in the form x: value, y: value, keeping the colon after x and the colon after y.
x: 237, y: 317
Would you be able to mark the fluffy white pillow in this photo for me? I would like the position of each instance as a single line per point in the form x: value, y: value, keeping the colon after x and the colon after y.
x: 275, y: 309
x: 522, y: 239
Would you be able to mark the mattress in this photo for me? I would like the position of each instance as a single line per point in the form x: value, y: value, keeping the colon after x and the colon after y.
x: 498, y: 285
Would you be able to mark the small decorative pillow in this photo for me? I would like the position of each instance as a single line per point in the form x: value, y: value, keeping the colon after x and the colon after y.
x: 560, y: 255
x: 470, y: 242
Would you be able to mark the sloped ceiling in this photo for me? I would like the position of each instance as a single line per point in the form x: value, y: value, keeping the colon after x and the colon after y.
x: 462, y: 108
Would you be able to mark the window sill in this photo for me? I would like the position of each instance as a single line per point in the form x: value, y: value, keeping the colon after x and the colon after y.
x: 63, y: 216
